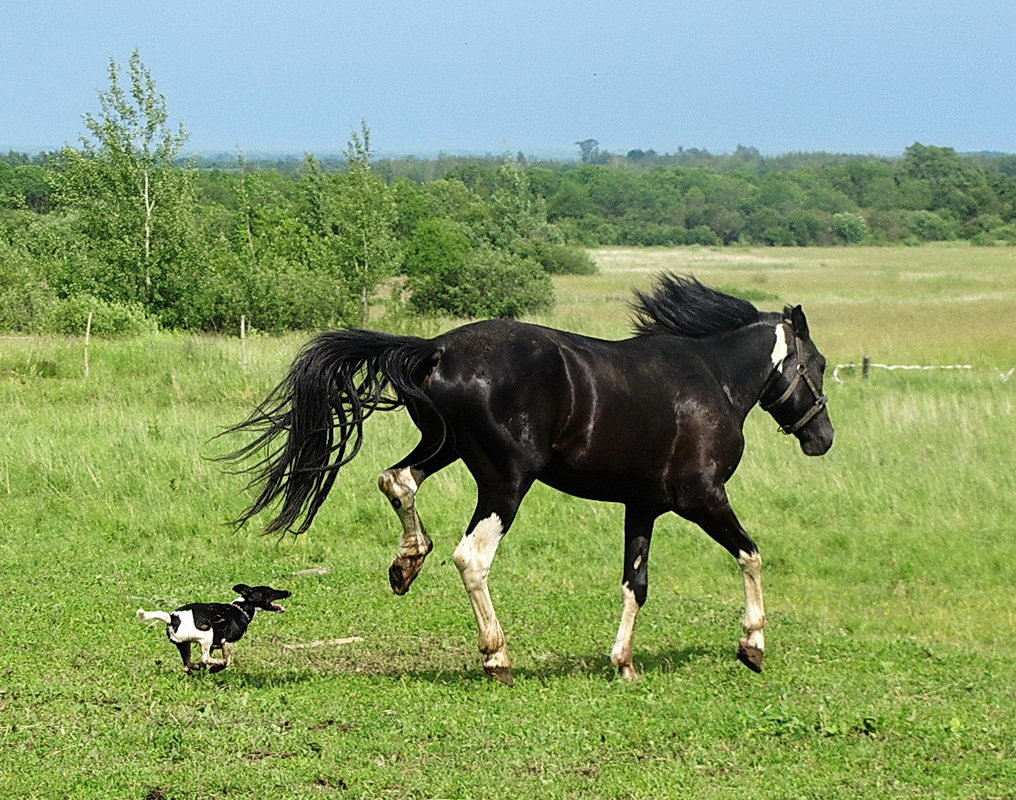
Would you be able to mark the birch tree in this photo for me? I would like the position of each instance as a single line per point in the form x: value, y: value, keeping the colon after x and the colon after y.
x: 365, y: 216
x: 130, y: 200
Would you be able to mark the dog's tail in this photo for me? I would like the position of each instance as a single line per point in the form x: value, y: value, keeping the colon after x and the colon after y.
x: 148, y: 616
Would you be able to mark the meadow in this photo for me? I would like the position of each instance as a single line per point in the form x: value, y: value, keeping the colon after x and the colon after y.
x: 888, y: 575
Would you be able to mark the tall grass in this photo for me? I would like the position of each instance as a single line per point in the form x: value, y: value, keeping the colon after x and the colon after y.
x: 888, y: 576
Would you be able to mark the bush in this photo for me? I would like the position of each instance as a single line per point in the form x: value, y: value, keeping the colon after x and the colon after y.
x: 850, y: 227
x: 25, y: 297
x: 274, y: 294
x: 435, y: 246
x: 109, y: 318
x: 559, y: 259
x: 24, y: 307
x: 1003, y: 234
x: 491, y: 283
x: 930, y: 226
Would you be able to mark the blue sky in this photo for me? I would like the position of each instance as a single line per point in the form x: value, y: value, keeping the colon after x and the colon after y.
x: 780, y: 75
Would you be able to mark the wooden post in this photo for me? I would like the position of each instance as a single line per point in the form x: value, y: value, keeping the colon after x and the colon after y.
x: 243, y: 340
x: 866, y: 367
x: 88, y: 340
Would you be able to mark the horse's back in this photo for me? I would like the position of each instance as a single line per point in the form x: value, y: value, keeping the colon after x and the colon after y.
x: 597, y: 418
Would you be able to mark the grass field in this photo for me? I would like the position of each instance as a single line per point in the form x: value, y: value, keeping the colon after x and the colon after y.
x: 889, y: 572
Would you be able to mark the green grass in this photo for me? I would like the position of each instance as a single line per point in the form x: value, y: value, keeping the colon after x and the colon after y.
x: 888, y: 576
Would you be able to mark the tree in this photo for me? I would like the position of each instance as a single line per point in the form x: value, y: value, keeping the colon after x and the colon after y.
x: 489, y: 283
x: 132, y: 203
x: 589, y: 149
x: 516, y: 214
x: 365, y: 215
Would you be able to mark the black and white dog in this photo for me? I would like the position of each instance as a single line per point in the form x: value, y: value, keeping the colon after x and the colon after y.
x: 215, y: 626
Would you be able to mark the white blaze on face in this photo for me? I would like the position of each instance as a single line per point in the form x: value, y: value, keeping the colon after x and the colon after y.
x: 780, y: 348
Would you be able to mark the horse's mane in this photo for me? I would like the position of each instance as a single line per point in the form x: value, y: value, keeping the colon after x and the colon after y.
x: 683, y: 306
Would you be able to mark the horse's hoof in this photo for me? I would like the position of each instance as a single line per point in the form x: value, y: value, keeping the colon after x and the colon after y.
x: 501, y: 674
x: 403, y: 572
x: 750, y: 656
x: 628, y: 672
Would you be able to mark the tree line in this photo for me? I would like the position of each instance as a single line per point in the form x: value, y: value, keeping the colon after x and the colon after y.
x: 128, y: 229
x: 122, y: 228
x: 928, y: 194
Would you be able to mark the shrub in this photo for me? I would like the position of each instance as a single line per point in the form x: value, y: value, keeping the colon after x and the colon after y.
x: 24, y: 307
x: 25, y: 297
x: 930, y: 226
x: 491, y: 283
x: 850, y: 227
x: 435, y: 246
x: 559, y: 259
x: 69, y: 315
x: 1003, y: 234
x: 273, y: 293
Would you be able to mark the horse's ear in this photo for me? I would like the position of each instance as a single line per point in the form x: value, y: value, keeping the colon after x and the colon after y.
x: 798, y: 321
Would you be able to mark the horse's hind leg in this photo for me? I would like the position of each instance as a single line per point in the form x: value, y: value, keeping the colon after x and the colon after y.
x: 638, y: 531
x: 400, y: 484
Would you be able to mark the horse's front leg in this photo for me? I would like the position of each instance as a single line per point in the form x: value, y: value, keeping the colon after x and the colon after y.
x: 752, y: 647
x: 399, y: 485
x: 474, y: 555
x: 720, y: 522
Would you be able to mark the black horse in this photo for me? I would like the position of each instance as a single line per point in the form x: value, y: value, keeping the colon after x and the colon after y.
x: 653, y: 422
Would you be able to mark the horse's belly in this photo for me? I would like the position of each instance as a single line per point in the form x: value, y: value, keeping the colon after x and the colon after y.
x: 601, y: 484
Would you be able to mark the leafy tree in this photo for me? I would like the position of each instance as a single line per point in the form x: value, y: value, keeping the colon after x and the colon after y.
x: 589, y: 149
x: 131, y: 202
x: 490, y: 283
x: 436, y: 247
x: 365, y: 215
x: 850, y: 227
x: 516, y: 214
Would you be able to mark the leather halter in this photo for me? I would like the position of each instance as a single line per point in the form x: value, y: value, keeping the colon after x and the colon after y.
x: 800, y: 374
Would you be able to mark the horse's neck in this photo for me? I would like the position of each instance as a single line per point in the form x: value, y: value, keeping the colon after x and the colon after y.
x: 742, y: 361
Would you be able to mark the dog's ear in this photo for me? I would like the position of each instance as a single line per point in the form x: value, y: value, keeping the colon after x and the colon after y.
x: 242, y: 589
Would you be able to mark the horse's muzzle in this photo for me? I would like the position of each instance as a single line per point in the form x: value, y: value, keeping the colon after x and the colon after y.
x: 818, y: 444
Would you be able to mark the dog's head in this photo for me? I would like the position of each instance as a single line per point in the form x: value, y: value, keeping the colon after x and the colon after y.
x: 263, y: 597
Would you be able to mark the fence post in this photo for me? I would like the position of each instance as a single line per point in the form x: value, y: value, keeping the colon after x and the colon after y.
x: 866, y: 367
x: 88, y: 340
x: 243, y: 340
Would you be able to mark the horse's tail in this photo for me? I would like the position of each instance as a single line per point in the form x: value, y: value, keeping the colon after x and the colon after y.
x: 148, y: 616
x: 312, y: 422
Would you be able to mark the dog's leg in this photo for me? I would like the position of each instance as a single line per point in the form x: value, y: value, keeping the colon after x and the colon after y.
x: 185, y: 648
x: 206, y: 655
x: 227, y: 658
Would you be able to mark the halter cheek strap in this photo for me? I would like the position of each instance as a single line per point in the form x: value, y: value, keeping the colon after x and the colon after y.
x: 800, y: 374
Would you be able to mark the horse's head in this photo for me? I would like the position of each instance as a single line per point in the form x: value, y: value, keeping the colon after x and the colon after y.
x: 794, y: 395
